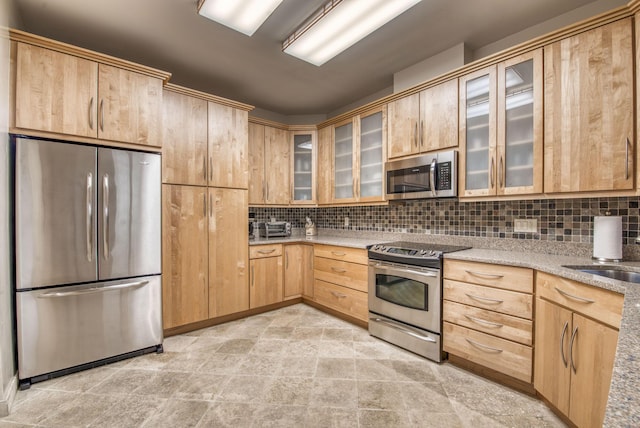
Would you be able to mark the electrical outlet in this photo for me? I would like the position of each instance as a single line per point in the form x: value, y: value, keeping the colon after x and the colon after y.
x: 525, y: 225
x: 346, y: 222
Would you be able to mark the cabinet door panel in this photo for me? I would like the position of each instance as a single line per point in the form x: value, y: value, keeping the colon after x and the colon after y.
x: 184, y: 139
x: 276, y: 154
x: 404, y: 135
x: 228, y: 146
x: 130, y: 107
x: 266, y: 281
x: 184, y: 255
x: 593, y: 353
x: 552, y: 375
x: 55, y: 92
x: 588, y: 111
x: 343, y: 163
x: 298, y: 270
x: 228, y: 251
x: 371, y: 131
x: 256, y: 164
x: 439, y: 116
x: 478, y: 133
x: 325, y: 165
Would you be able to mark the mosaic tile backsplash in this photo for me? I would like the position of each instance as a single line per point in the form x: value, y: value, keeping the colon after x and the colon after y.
x: 560, y: 220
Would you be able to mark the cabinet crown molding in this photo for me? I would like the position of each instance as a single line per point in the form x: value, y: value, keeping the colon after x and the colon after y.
x: 207, y: 97
x: 43, y: 42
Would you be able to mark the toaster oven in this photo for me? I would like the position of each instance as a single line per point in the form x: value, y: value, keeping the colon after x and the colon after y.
x: 274, y: 229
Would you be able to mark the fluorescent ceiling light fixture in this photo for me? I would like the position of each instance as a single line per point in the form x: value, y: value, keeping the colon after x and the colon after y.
x: 340, y: 24
x: 245, y: 16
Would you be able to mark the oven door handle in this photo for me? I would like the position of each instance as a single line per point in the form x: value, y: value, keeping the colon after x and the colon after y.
x: 403, y: 329
x: 404, y: 271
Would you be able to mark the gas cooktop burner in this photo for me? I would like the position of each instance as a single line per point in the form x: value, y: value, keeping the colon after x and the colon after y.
x: 415, y: 253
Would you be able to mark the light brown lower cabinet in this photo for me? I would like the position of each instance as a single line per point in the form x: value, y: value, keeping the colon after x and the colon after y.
x: 298, y: 271
x: 266, y: 278
x: 185, y: 288
x: 488, y: 316
x: 204, y: 253
x: 228, y: 251
x: 340, y: 280
x: 574, y: 355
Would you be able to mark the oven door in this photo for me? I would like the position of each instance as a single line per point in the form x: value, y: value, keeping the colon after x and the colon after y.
x: 409, y: 294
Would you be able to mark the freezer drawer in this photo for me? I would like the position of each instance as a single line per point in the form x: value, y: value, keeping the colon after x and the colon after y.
x: 62, y: 327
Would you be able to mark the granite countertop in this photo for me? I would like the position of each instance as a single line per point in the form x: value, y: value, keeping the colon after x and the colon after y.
x: 623, y: 407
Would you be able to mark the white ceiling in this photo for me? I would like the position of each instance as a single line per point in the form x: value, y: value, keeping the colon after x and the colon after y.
x: 204, y: 55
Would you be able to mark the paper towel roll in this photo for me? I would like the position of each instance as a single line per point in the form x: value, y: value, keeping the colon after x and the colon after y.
x: 607, y: 238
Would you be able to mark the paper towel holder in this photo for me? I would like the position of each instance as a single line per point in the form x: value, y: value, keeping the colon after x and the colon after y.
x: 601, y: 259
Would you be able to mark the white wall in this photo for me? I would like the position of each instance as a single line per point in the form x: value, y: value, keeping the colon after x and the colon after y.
x: 7, y: 360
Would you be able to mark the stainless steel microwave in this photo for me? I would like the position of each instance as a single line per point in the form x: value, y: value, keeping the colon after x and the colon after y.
x: 427, y: 176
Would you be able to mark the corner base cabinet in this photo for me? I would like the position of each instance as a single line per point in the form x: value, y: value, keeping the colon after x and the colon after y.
x: 576, y: 337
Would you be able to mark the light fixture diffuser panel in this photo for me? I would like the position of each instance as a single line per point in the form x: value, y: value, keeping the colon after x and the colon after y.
x: 345, y: 24
x: 244, y: 16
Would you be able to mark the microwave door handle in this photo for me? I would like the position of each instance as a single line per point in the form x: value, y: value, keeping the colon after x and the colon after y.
x: 432, y: 177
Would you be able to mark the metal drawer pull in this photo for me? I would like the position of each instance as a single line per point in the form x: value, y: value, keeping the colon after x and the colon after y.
x: 573, y: 338
x: 338, y: 295
x: 266, y: 251
x: 484, y: 322
x: 484, y: 348
x: 335, y: 269
x: 335, y: 253
x: 402, y: 329
x: 574, y: 297
x: 564, y: 332
x: 626, y: 161
x: 486, y: 275
x: 93, y: 290
x: 485, y: 299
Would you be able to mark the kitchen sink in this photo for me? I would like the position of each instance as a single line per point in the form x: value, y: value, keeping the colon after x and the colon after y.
x: 614, y: 272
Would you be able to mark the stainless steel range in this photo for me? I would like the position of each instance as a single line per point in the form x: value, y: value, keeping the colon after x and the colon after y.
x: 405, y: 295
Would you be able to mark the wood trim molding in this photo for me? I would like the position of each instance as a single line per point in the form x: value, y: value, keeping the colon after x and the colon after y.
x: 271, y: 123
x: 208, y: 97
x: 43, y: 42
x: 579, y: 27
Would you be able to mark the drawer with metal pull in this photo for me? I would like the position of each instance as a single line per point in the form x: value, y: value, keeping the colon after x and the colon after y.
x: 342, y: 299
x: 504, y: 356
x: 493, y: 299
x: 347, y: 274
x: 353, y: 255
x: 499, y: 276
x: 494, y: 323
x: 260, y: 251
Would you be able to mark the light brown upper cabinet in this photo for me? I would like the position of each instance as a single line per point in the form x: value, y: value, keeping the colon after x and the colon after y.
x: 184, y: 139
x: 269, y: 165
x: 61, y: 93
x: 501, y: 128
x: 358, y: 158
x: 303, y: 167
x: 425, y: 121
x: 588, y: 111
x: 325, y: 159
x: 228, y: 146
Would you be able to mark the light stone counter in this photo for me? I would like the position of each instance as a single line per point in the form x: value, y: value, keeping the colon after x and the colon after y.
x: 623, y: 408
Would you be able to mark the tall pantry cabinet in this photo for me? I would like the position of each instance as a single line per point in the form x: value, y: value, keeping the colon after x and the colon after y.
x: 205, y: 207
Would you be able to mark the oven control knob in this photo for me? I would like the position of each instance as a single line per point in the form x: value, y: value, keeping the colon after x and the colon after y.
x: 432, y: 253
x: 423, y: 252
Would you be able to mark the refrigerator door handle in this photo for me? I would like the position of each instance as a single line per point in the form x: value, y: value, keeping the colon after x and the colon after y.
x: 92, y: 290
x: 89, y: 215
x: 105, y: 211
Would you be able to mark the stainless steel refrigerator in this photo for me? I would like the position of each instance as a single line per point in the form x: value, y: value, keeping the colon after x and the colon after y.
x: 87, y: 254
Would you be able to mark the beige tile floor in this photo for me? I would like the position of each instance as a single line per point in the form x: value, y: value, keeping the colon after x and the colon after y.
x: 293, y: 367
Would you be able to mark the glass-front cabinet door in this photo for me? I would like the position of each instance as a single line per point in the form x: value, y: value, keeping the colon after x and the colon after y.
x: 520, y: 130
x: 343, y: 162
x: 358, y: 157
x: 501, y: 128
x: 478, y: 133
x: 371, y: 156
x: 303, y: 167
